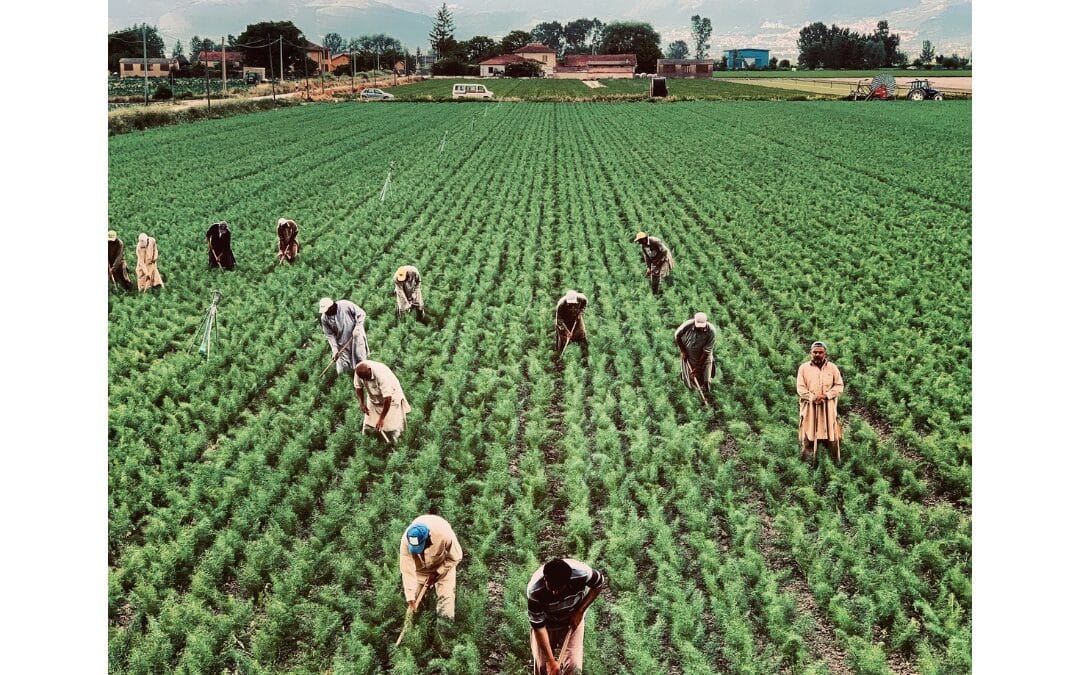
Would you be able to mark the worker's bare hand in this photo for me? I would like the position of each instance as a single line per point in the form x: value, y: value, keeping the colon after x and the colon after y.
x: 363, y: 409
x: 379, y: 425
x: 552, y: 667
x: 412, y: 605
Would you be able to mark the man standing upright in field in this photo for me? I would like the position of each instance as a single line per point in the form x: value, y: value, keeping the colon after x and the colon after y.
x: 343, y: 324
x: 819, y: 384
x: 428, y: 556
x: 570, y: 322
x: 219, y: 244
x: 407, y: 291
x: 658, y: 260
x: 381, y: 400
x: 695, y: 339
x: 288, y: 246
x: 118, y: 270
x: 558, y: 595
x: 146, y: 257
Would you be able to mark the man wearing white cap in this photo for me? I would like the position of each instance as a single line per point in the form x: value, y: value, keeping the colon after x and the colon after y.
x: 146, y: 257
x: 407, y: 290
x: 658, y: 260
x: 343, y: 324
x: 695, y: 339
x: 118, y: 270
x: 381, y: 399
x: 570, y: 322
x: 429, y: 555
x: 288, y: 246
x: 819, y: 385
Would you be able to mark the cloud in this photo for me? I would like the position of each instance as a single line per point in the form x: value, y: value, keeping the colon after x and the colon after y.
x: 774, y: 25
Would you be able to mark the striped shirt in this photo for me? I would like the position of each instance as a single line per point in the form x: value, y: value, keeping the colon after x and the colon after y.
x: 547, y: 609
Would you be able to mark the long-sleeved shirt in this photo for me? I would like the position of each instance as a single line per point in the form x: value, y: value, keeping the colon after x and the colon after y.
x: 547, y: 609
x: 443, y: 553
x: 818, y: 421
x: 411, y: 282
x: 567, y: 313
x: 347, y: 322
x: 654, y: 252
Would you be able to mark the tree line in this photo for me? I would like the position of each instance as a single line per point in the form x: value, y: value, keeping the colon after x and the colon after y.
x: 842, y: 48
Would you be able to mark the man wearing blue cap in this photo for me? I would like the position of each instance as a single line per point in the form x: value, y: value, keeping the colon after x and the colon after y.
x: 819, y: 384
x: 428, y: 556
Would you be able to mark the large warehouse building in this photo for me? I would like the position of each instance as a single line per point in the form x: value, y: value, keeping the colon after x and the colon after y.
x: 746, y: 59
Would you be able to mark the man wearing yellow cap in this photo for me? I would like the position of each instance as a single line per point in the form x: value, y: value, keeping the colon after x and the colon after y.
x: 288, y: 246
x: 658, y: 260
x: 407, y: 291
x: 118, y: 271
x: 695, y: 339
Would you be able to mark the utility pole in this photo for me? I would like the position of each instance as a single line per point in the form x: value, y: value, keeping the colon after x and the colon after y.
x: 352, y: 57
x: 321, y: 81
x: 270, y: 60
x: 224, y: 68
x: 281, y: 60
x: 145, y: 74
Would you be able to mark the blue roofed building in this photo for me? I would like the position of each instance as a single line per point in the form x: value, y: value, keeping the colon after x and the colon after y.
x: 746, y: 59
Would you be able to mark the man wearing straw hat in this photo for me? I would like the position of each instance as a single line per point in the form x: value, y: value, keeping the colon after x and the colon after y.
x: 428, y: 556
x: 118, y: 271
x: 343, y: 324
x: 819, y: 384
x: 381, y: 399
x: 570, y: 322
x: 557, y: 597
x: 407, y: 291
x: 695, y: 339
x: 288, y: 246
x: 658, y: 260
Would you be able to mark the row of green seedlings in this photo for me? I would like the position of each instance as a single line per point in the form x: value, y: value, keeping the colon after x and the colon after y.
x: 264, y: 643
x: 205, y: 413
x: 728, y: 593
x: 888, y: 352
x: 957, y: 543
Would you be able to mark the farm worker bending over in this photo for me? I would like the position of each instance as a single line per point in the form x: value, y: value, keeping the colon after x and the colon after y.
x: 658, y: 260
x: 558, y: 595
x: 219, y: 243
x: 287, y: 245
x: 570, y: 322
x: 819, y: 385
x: 385, y: 407
x: 407, y: 290
x: 343, y: 324
x: 695, y: 339
x: 146, y: 256
x: 118, y: 271
x: 429, y: 555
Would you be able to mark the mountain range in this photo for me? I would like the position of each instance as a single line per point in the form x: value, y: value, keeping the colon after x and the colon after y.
x: 772, y: 25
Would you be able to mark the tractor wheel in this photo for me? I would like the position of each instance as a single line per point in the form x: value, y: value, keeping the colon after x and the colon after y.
x: 938, y: 97
x: 916, y: 95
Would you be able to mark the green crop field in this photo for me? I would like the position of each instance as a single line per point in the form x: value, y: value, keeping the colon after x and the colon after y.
x: 252, y: 528
x: 554, y: 90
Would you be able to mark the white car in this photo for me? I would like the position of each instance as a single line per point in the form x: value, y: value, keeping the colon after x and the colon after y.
x: 471, y: 91
x: 375, y: 95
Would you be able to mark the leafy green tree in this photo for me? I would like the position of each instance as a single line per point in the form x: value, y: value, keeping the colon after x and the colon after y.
x: 784, y: 64
x: 582, y: 35
x: 442, y: 32
x: 633, y: 37
x: 927, y: 54
x: 525, y: 68
x: 772, y: 63
x: 701, y: 30
x: 177, y: 50
x: 513, y: 41
x: 334, y: 42
x: 128, y: 44
x: 890, y: 42
x: 551, y: 34
x: 678, y: 50
x: 259, y: 44
x: 479, y: 48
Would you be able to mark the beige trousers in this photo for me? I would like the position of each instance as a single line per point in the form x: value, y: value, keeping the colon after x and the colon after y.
x: 572, y: 663
x: 444, y: 591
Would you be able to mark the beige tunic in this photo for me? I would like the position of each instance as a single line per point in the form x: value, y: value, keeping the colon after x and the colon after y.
x: 818, y: 420
x: 383, y: 385
x: 146, y: 271
x: 440, y: 559
x: 407, y: 293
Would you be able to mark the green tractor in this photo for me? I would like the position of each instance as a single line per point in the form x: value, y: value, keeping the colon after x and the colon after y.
x: 922, y: 91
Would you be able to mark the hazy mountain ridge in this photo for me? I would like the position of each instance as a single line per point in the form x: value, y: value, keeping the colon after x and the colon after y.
x: 742, y: 23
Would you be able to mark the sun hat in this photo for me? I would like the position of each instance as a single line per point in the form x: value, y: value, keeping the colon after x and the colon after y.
x: 400, y: 274
x: 324, y: 304
x: 639, y: 236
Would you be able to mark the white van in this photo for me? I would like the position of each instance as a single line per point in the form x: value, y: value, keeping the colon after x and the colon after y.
x: 472, y: 91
